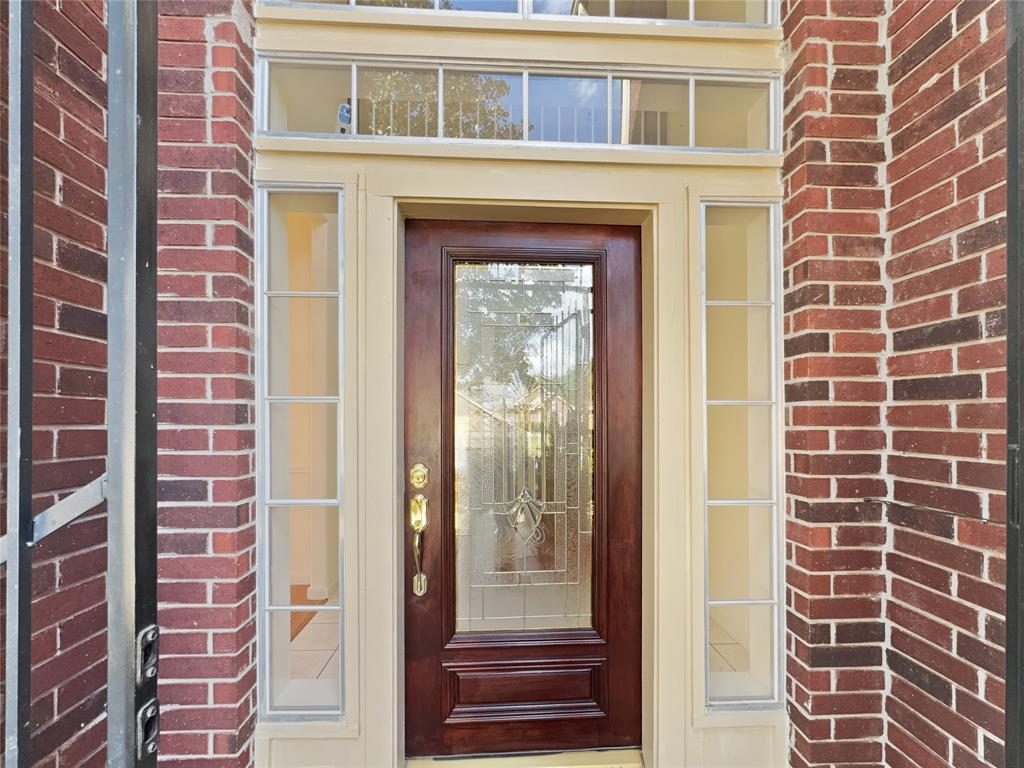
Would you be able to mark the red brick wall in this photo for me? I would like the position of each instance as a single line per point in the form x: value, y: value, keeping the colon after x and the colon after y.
x: 946, y: 173
x: 835, y: 390
x: 895, y: 263
x: 207, y: 514
x: 68, y: 611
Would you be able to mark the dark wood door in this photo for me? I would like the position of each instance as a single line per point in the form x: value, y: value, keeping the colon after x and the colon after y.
x: 522, y: 402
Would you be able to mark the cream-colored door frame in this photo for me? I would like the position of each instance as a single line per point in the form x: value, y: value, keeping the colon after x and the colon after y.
x: 664, y: 198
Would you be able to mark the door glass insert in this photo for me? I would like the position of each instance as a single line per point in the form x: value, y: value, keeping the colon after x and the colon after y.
x: 524, y: 445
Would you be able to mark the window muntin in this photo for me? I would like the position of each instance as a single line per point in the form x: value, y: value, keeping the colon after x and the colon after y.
x: 741, y: 394
x: 472, y: 103
x: 731, y: 12
x: 300, y: 394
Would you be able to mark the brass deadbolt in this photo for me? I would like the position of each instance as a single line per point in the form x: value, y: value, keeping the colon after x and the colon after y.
x: 418, y: 476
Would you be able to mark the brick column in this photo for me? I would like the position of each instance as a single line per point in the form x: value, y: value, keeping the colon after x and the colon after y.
x: 946, y: 222
x: 834, y: 341
x: 207, y: 460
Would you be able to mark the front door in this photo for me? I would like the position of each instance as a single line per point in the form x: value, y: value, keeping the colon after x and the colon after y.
x: 522, y: 518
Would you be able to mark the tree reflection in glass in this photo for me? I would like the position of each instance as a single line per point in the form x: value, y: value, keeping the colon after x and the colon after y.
x: 483, y: 105
x: 524, y: 410
x: 397, y: 102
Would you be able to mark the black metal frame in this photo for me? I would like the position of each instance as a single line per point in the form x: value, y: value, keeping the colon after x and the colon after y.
x: 1015, y: 393
x: 133, y: 710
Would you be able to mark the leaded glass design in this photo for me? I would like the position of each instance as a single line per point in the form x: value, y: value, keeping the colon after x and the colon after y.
x: 524, y: 445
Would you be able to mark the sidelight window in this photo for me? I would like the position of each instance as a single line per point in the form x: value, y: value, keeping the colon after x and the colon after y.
x: 455, y: 101
x: 300, y: 522
x: 742, y: 611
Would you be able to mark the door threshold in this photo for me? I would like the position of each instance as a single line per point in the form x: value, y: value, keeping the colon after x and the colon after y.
x: 609, y: 758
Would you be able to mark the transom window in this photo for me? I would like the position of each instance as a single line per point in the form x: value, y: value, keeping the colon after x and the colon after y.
x: 747, y: 12
x: 466, y: 102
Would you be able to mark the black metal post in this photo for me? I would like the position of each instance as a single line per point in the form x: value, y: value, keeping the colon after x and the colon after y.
x: 133, y: 711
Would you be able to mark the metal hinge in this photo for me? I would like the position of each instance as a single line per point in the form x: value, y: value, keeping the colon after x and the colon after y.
x: 147, y: 719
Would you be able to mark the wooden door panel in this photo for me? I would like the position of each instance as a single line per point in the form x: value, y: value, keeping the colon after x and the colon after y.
x: 481, y: 689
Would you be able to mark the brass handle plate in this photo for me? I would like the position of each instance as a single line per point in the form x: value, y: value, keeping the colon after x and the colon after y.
x: 418, y: 521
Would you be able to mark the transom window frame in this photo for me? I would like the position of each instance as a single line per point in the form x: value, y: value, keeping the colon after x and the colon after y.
x: 695, y: 75
x: 525, y: 10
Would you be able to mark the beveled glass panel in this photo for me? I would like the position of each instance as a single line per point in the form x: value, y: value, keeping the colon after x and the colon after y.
x: 302, y: 336
x: 737, y: 244
x: 303, y: 241
x: 732, y: 114
x: 483, y: 105
x: 303, y: 448
x: 310, y: 98
x: 305, y: 659
x: 739, y: 350
x: 524, y: 445
x: 397, y: 102
x: 740, y: 547
x: 305, y: 552
x: 657, y: 111
x: 733, y: 11
x: 741, y: 652
x: 740, y: 449
x: 568, y: 109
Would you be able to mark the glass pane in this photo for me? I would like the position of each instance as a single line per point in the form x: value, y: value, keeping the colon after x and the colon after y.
x: 740, y: 449
x: 732, y: 115
x: 740, y: 548
x: 305, y: 659
x: 572, y: 7
x: 303, y: 247
x: 398, y: 3
x: 489, y: 6
x: 302, y: 334
x: 310, y: 98
x: 737, y: 11
x: 305, y: 547
x: 741, y: 640
x: 737, y: 242
x: 303, y: 447
x: 524, y: 443
x: 657, y: 111
x: 483, y: 105
x: 571, y: 109
x: 739, y: 353
x: 397, y: 102
x: 653, y: 9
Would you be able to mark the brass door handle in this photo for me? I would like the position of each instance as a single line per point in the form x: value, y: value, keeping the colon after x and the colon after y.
x: 418, y: 522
